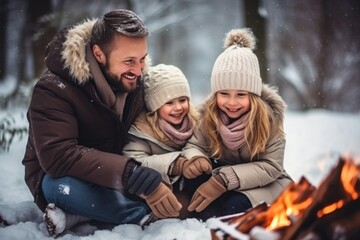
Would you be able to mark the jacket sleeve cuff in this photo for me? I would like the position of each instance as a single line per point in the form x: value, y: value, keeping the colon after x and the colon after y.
x: 229, y: 176
x: 130, y: 167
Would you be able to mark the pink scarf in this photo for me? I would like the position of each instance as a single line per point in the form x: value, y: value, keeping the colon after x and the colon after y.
x: 177, y: 135
x: 232, y: 134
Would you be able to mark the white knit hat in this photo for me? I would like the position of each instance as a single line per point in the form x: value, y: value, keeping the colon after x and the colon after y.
x: 237, y: 67
x: 163, y: 83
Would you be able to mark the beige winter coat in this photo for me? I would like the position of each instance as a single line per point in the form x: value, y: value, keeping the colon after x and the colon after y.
x: 263, y: 178
x: 147, y: 149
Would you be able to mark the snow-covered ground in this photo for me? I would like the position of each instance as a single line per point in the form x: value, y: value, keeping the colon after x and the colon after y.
x: 315, y: 140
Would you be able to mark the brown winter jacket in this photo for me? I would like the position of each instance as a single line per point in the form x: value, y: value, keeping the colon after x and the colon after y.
x: 71, y: 131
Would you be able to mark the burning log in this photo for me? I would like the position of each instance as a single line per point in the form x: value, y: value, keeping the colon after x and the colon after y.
x: 336, y: 225
x: 249, y: 219
x: 266, y: 216
x: 344, y: 179
x: 303, y: 212
x: 290, y: 205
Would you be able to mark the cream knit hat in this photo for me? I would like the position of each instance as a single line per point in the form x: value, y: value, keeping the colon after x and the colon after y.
x: 237, y: 67
x: 163, y: 83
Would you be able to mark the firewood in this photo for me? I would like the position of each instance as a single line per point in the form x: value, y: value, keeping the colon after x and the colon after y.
x: 330, y: 191
x: 331, y: 211
x: 340, y: 224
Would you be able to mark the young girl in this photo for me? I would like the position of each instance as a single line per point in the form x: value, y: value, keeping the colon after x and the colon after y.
x: 241, y: 129
x: 159, y: 134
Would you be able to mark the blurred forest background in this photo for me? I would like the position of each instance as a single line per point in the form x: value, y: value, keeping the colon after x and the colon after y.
x: 309, y: 49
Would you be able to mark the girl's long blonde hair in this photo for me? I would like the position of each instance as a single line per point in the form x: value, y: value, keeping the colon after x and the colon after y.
x: 152, y: 118
x: 258, y: 128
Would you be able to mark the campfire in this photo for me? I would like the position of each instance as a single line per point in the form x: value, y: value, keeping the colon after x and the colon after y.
x: 302, y: 211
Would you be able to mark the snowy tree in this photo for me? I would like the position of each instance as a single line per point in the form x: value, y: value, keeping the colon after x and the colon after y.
x: 310, y: 49
x: 314, y: 53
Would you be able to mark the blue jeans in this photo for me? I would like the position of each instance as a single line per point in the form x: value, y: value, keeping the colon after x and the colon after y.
x: 92, y: 201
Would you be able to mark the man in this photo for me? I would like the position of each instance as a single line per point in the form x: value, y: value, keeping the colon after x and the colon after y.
x: 79, y: 116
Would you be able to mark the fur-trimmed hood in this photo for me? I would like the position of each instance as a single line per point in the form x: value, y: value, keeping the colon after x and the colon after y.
x: 275, y: 103
x: 65, y: 54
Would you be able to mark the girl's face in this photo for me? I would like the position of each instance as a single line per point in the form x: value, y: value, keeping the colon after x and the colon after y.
x: 175, y: 110
x: 233, y: 102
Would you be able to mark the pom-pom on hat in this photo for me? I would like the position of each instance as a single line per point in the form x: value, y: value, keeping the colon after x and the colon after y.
x: 163, y: 83
x: 237, y: 67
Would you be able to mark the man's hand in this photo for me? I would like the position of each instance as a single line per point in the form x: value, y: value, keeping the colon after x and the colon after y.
x: 163, y: 202
x: 207, y: 193
x: 143, y: 180
x: 196, y: 167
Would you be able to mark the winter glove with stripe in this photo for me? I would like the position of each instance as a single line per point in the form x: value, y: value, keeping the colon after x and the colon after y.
x: 141, y: 180
x: 147, y: 183
x: 207, y: 193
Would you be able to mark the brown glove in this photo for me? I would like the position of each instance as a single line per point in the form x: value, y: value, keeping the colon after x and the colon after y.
x: 163, y: 202
x: 207, y: 193
x: 178, y: 166
x: 196, y: 167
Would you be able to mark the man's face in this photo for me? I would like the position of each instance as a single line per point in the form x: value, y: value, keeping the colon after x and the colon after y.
x: 123, y: 64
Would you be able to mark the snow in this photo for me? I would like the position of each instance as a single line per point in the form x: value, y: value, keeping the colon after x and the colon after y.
x: 7, y: 86
x: 315, y: 141
x: 58, y: 219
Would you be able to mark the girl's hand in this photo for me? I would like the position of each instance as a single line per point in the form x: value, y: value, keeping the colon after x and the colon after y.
x: 178, y: 166
x: 196, y: 167
x: 207, y: 193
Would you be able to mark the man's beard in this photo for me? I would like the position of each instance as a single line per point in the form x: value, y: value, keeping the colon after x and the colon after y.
x: 115, y: 82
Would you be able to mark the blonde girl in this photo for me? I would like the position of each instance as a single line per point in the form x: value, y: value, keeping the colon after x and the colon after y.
x: 161, y: 131
x: 241, y: 132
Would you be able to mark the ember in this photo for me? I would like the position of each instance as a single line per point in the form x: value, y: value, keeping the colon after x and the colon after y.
x: 331, y: 211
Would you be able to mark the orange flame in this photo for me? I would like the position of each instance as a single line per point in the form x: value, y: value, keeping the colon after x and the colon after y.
x: 350, y: 174
x: 288, y: 205
x: 295, y: 199
x: 349, y: 177
x: 330, y: 208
